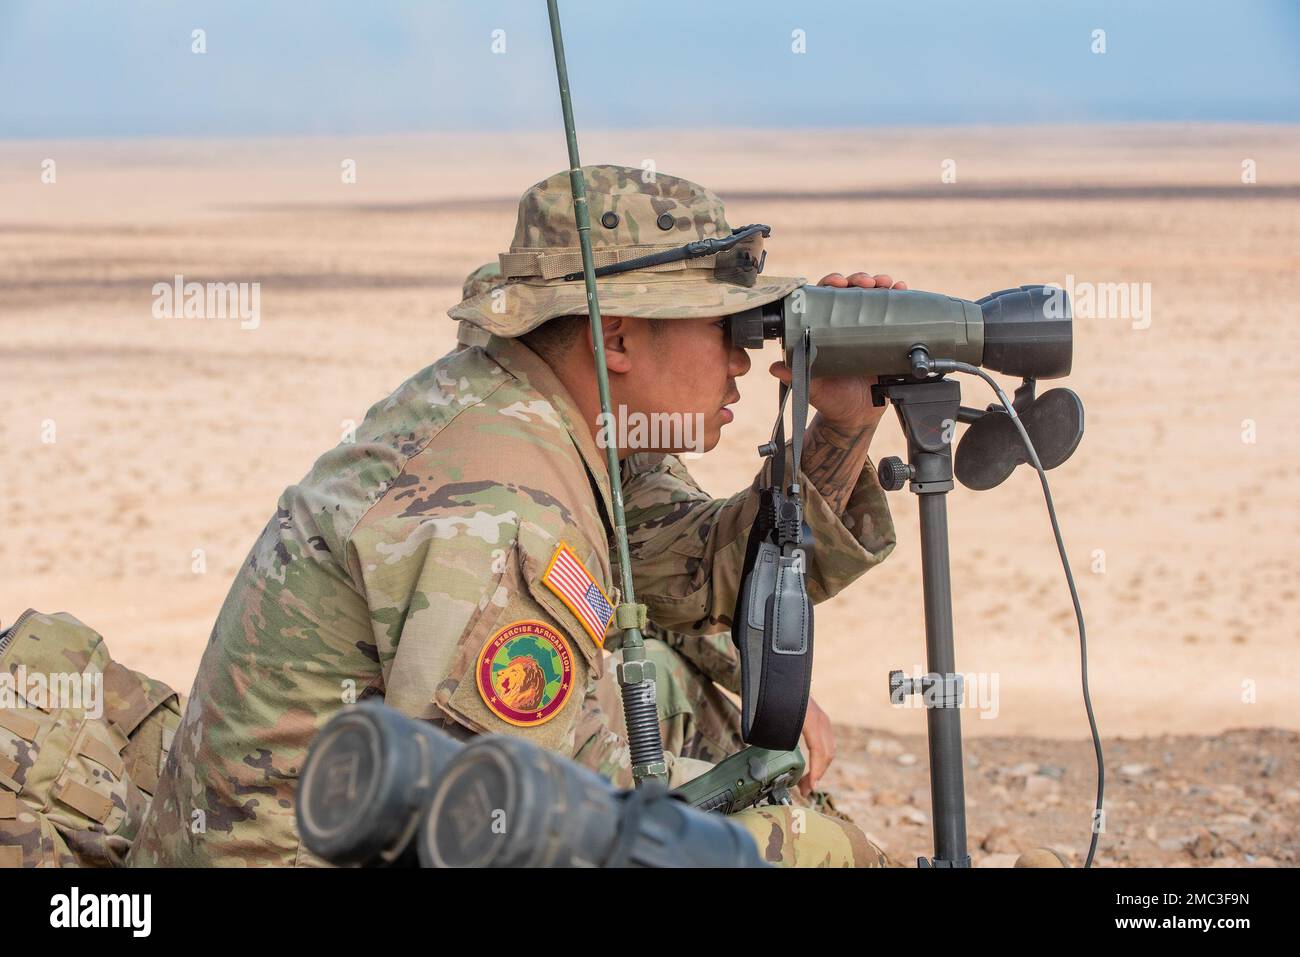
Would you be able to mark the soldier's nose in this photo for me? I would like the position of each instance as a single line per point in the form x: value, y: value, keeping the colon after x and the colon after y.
x: 740, y: 362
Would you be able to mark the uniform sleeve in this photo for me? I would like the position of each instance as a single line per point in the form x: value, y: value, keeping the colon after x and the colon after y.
x: 688, y: 549
x: 466, y: 631
x: 714, y: 654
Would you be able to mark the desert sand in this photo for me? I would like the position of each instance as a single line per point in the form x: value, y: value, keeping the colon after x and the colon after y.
x: 172, y: 438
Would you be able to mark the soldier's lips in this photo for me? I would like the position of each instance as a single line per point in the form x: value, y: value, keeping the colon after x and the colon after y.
x: 727, y: 414
x: 732, y: 398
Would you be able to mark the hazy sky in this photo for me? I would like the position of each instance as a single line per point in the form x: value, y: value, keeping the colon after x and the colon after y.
x: 100, y: 68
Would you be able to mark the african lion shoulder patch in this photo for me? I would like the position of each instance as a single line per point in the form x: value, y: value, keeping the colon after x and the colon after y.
x: 525, y: 673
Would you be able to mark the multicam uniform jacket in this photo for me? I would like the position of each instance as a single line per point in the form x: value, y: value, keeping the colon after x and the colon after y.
x: 454, y: 559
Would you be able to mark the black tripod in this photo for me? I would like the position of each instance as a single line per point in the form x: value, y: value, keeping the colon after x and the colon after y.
x: 928, y: 411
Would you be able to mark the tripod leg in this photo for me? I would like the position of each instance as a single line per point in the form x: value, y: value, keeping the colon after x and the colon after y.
x: 943, y: 724
x: 927, y: 410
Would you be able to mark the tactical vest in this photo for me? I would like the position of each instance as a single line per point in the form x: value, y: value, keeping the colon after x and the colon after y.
x: 82, y: 742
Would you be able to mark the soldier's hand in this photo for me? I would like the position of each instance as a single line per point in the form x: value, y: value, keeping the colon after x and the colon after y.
x: 844, y: 401
x: 819, y: 745
x: 865, y: 280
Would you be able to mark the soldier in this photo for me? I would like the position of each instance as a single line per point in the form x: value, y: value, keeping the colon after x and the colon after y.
x: 696, y: 719
x: 454, y: 559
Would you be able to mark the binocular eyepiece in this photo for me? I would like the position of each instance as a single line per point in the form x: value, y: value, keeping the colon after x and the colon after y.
x: 1024, y: 332
x: 380, y: 789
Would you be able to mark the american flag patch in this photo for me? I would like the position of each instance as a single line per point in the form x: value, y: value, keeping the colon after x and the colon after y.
x: 570, y: 580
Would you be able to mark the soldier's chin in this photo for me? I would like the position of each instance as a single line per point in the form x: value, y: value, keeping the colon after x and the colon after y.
x: 700, y: 445
x: 712, y: 436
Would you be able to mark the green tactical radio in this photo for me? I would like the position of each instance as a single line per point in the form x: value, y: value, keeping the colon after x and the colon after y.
x: 743, y: 780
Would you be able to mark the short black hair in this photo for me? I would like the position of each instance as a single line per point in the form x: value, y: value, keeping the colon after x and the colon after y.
x: 553, y: 339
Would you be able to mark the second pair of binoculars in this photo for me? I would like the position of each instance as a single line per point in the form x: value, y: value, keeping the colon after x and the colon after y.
x: 380, y: 789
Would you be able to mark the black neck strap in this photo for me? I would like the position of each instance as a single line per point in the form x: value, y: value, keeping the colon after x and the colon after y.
x: 772, y: 624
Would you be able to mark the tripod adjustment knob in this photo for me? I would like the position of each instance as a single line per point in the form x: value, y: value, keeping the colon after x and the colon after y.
x: 894, y: 473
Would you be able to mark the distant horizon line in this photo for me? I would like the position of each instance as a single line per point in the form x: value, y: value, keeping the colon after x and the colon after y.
x: 595, y: 129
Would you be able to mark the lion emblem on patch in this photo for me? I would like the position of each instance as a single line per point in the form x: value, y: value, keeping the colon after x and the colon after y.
x: 525, y: 673
x: 521, y: 683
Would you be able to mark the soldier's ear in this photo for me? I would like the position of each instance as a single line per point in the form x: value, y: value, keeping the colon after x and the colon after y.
x: 616, y: 356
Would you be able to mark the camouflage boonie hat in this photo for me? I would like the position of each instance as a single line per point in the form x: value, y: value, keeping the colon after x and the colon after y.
x: 630, y: 218
x: 483, y: 279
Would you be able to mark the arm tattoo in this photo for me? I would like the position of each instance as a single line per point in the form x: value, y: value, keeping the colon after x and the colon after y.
x: 833, y: 458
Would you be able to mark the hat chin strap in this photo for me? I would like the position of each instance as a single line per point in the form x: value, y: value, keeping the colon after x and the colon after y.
x: 565, y: 262
x: 699, y: 249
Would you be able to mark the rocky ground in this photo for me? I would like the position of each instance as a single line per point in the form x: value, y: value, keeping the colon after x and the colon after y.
x: 1231, y: 800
